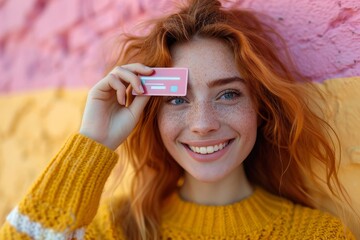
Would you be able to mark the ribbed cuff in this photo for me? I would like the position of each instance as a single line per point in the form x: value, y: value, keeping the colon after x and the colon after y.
x: 67, y: 194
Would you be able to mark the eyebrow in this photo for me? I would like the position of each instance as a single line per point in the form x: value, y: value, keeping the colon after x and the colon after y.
x: 224, y: 81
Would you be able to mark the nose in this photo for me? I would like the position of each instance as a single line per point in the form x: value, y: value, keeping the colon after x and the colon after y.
x: 203, y: 118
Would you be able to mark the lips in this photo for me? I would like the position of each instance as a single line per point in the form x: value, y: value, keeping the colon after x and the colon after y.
x: 209, y: 151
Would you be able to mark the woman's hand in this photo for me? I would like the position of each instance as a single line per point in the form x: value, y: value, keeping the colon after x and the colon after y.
x: 106, y: 119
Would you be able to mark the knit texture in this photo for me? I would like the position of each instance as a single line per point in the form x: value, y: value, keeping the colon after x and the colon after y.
x: 63, y: 202
x: 260, y: 216
x: 65, y: 198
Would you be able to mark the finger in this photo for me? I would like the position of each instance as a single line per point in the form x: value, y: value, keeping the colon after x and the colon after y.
x: 120, y: 95
x: 127, y: 77
x: 138, y: 105
x: 138, y: 68
x: 105, y: 89
x: 128, y: 74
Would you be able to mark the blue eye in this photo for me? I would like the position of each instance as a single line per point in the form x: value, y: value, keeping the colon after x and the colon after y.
x: 176, y: 101
x: 230, y: 95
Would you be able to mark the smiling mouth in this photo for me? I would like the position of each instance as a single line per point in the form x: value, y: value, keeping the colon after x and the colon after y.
x: 208, y: 149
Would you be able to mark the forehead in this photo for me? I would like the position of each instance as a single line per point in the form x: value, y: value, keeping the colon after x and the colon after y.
x: 206, y: 59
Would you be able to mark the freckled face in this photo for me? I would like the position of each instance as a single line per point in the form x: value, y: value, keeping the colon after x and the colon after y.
x: 213, y: 129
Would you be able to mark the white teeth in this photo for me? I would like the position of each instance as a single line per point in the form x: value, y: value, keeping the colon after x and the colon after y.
x: 208, y: 149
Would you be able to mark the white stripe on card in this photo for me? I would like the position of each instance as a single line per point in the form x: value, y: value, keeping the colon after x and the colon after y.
x: 154, y: 84
x: 158, y: 87
x: 159, y: 78
x: 23, y: 224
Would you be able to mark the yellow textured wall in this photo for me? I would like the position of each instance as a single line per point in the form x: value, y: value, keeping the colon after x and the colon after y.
x: 34, y: 125
x: 342, y: 111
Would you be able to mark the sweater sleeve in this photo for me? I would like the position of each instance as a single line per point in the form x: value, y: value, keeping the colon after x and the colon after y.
x: 65, y: 198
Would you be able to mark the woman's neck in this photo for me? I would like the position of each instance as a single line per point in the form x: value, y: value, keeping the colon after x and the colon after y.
x: 230, y: 189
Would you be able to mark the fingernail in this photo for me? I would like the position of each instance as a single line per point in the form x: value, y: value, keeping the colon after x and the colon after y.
x: 123, y: 101
x: 148, y: 68
x: 141, y: 89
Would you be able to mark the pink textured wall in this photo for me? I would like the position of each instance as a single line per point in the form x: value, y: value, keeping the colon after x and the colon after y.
x: 51, y: 43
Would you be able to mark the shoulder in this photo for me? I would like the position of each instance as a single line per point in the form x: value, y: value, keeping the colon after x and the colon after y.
x: 317, y: 224
x: 301, y: 222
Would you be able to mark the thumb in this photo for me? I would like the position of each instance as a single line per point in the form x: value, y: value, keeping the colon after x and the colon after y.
x: 137, y: 106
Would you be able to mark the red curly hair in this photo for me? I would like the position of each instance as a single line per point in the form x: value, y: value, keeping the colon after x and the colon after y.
x: 291, y: 137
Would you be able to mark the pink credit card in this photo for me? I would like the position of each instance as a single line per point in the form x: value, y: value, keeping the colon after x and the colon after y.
x: 165, y: 82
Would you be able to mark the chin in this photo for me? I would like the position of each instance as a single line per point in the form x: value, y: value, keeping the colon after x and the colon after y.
x: 207, y: 177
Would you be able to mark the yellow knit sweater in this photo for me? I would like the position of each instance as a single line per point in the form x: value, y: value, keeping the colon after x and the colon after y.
x: 63, y: 202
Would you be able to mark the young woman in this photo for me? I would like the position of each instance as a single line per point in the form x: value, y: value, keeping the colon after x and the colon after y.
x: 227, y: 161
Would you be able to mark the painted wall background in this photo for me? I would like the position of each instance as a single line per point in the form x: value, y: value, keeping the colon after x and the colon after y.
x: 52, y: 51
x: 52, y: 43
